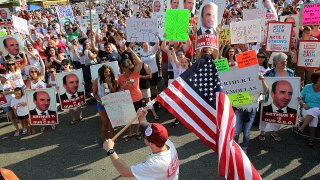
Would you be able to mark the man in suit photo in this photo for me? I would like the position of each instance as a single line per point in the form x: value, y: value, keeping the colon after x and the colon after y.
x: 71, y: 84
x: 4, y: 16
x: 208, y: 19
x: 189, y: 4
x: 174, y: 4
x: 12, y: 46
x: 281, y: 93
x: 42, y: 101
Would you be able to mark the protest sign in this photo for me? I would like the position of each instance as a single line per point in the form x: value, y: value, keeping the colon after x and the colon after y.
x: 222, y: 65
x: 5, y: 18
x: 247, y: 58
x: 20, y: 25
x: 245, y: 32
x: 279, y: 36
x: 309, y: 54
x: 295, y: 20
x: 240, y: 82
x: 177, y: 25
x: 71, y: 89
x: 119, y: 107
x: 309, y: 14
x: 221, y: 4
x: 11, y: 48
x: 286, y: 111
x: 158, y: 6
x: 65, y: 14
x: 95, y: 68
x: 84, y: 21
x: 141, y: 30
x: 42, y: 106
x: 3, y: 33
x: 224, y: 36
x: 172, y: 4
x: 190, y: 5
x: 252, y: 14
x: 160, y: 22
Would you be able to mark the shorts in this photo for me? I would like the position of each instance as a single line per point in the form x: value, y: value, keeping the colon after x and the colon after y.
x: 6, y: 109
x: 137, y: 105
x: 146, y: 93
x: 154, y: 79
x: 315, y: 113
x: 23, y: 117
x: 100, y: 107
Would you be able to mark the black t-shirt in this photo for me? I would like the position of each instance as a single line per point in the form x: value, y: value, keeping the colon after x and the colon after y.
x: 113, y: 56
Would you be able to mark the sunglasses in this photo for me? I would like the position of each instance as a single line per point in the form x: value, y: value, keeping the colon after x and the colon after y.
x: 261, y: 57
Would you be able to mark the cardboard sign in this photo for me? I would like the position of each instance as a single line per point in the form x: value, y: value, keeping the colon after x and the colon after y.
x: 310, y: 14
x: 160, y: 22
x: 11, y: 48
x: 279, y: 37
x: 285, y: 86
x: 5, y: 18
x: 158, y: 6
x: 207, y: 40
x: 224, y: 36
x: 42, y: 109
x: 248, y: 58
x: 65, y: 14
x: 119, y: 107
x: 177, y: 25
x: 245, y: 32
x: 72, y: 92
x: 20, y: 25
x: 240, y: 98
x: 95, y: 68
x: 84, y: 21
x: 309, y: 54
x: 222, y: 65
x: 141, y: 30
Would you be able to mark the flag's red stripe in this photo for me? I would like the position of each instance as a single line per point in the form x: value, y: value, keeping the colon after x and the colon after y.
x: 178, y: 86
x: 255, y: 174
x: 239, y: 161
x: 191, y: 113
x: 185, y: 123
x: 230, y: 175
x: 222, y: 156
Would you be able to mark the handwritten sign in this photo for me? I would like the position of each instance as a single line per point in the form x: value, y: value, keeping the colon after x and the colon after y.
x: 119, y: 107
x: 177, y: 24
x: 240, y: 99
x: 224, y: 36
x: 65, y: 14
x: 3, y: 33
x: 160, y: 16
x: 20, y: 25
x: 279, y: 36
x: 309, y: 54
x: 222, y: 65
x: 252, y: 14
x: 310, y: 14
x: 248, y: 58
x: 141, y: 30
x: 84, y: 21
x: 245, y: 32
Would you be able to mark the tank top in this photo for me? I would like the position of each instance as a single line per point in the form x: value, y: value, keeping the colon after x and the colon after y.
x: 51, y: 82
x: 17, y: 78
x: 144, y: 83
x: 38, y: 85
x: 102, y: 89
x: 6, y: 87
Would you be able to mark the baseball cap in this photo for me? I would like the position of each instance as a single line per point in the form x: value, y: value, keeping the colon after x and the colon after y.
x: 55, y: 37
x: 155, y: 133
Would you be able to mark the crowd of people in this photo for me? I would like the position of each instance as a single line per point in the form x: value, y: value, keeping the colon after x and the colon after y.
x: 52, y: 48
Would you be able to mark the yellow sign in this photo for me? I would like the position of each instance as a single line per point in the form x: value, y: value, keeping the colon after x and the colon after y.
x: 58, y: 2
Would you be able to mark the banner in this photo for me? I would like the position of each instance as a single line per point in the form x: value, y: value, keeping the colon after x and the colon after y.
x: 224, y: 36
x: 242, y: 86
x: 309, y: 54
x: 279, y: 36
x: 42, y: 106
x: 71, y: 89
x: 245, y: 32
x: 247, y: 58
x: 160, y: 22
x: 309, y: 14
x: 5, y: 17
x: 84, y: 21
x: 95, y: 68
x: 65, y: 14
x: 282, y: 104
x: 119, y: 107
x: 20, y: 25
x: 141, y: 30
x: 177, y: 25
x: 11, y: 48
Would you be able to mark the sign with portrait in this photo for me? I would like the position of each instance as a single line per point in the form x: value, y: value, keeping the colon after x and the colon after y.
x: 158, y: 6
x: 94, y: 69
x: 42, y: 106
x: 65, y: 14
x: 173, y: 4
x: 11, y: 48
x: 309, y: 54
x: 244, y: 32
x: 189, y: 5
x: 5, y: 17
x: 119, y: 107
x: 71, y: 89
x: 282, y: 101
x: 279, y: 36
x: 141, y: 30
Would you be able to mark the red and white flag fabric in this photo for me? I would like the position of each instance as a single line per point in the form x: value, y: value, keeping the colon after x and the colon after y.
x: 197, y: 99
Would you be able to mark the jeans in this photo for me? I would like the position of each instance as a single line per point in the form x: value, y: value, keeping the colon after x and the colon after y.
x: 244, y: 125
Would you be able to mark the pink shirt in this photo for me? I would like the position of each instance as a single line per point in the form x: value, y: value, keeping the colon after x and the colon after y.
x: 124, y: 83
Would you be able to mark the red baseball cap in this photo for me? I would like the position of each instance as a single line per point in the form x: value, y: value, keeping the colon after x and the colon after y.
x: 155, y: 133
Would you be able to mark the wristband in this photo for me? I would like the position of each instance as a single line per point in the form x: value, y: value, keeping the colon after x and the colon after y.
x: 110, y: 151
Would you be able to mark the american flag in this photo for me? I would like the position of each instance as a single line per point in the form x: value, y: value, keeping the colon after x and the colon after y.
x: 196, y: 98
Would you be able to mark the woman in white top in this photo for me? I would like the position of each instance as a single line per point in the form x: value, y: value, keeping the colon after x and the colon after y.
x: 15, y: 70
x: 33, y: 55
x: 179, y: 64
x: 75, y: 50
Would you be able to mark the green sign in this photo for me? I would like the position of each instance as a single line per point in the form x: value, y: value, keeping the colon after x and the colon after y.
x: 240, y: 99
x: 177, y: 24
x: 222, y: 65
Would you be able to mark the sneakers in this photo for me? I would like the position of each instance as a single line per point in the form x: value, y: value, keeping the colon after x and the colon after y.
x: 17, y: 133
x: 24, y: 131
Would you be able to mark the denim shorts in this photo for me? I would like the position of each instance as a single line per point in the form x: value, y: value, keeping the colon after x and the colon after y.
x: 100, y: 106
x: 6, y: 109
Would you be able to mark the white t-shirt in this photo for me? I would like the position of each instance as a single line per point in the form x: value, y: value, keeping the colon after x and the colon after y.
x: 164, y: 165
x: 150, y: 59
x: 21, y: 105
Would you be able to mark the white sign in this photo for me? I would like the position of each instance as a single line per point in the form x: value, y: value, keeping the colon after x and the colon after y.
x: 65, y: 14
x: 160, y: 16
x: 84, y: 21
x: 119, y: 107
x: 309, y: 54
x: 252, y: 14
x: 245, y: 32
x: 141, y: 30
x: 279, y: 37
x: 20, y: 25
x: 95, y: 68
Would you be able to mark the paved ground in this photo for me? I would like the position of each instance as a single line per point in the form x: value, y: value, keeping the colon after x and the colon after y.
x: 73, y: 152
